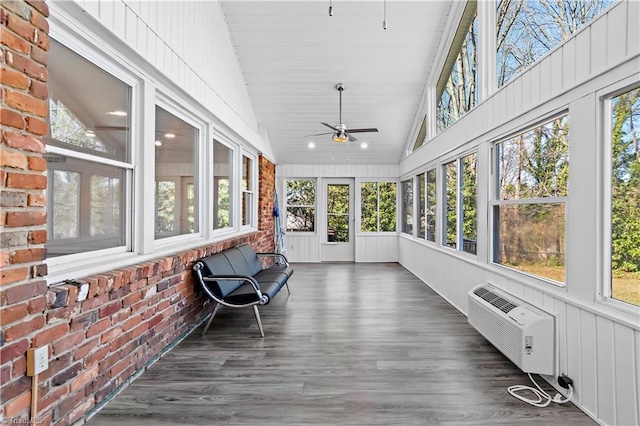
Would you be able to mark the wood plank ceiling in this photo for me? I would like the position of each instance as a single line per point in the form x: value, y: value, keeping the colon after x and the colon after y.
x: 292, y: 54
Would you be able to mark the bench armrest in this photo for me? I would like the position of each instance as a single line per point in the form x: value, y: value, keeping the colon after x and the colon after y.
x: 278, y: 255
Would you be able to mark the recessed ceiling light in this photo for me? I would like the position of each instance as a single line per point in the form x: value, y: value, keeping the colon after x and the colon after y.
x: 118, y: 113
x: 311, y: 145
x: 158, y: 143
x: 169, y: 135
x: 364, y: 145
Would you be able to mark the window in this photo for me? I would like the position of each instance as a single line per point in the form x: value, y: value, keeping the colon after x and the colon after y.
x: 88, y: 156
x: 460, y: 210
x: 247, y: 190
x: 422, y: 134
x: 176, y: 176
x: 457, y: 88
x: 431, y: 205
x: 378, y: 207
x: 625, y: 197
x: 301, y: 205
x: 407, y: 206
x: 222, y: 196
x: 529, y: 207
x: 527, y: 30
x: 423, y: 204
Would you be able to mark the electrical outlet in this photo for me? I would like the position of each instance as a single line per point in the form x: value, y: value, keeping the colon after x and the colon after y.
x: 37, y: 360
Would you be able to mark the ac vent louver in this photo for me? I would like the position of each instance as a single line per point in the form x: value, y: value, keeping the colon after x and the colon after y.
x: 497, y: 301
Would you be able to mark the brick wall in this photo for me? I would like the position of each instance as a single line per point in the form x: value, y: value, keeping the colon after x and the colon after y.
x: 102, y: 330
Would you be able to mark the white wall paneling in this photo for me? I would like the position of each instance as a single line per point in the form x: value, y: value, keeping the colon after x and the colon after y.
x: 598, y: 345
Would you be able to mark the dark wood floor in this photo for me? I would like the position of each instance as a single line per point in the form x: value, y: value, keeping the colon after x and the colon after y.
x: 354, y: 344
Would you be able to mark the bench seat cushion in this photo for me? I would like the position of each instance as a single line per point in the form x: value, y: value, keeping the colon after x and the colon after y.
x: 218, y: 264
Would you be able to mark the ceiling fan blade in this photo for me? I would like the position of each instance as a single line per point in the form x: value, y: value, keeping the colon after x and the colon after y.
x: 319, y: 134
x: 351, y: 138
x: 331, y: 127
x: 373, y: 129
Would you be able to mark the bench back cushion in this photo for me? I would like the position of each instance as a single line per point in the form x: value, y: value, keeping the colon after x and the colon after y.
x: 251, y: 258
x: 218, y: 264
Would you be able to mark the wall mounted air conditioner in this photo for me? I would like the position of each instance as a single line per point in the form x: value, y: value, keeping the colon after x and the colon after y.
x: 524, y: 333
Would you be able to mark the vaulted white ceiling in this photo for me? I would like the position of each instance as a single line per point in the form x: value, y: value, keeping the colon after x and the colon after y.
x: 292, y: 54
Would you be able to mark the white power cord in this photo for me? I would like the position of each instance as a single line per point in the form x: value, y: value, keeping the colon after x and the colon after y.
x: 543, y: 398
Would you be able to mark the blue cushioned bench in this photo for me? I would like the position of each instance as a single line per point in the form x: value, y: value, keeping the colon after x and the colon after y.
x: 236, y: 278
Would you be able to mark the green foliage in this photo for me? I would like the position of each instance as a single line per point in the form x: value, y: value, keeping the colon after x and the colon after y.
x: 378, y: 207
x: 301, y: 199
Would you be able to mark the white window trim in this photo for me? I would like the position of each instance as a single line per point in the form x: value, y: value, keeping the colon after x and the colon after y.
x: 358, y: 206
x: 314, y: 206
x: 254, y: 190
x: 233, y: 202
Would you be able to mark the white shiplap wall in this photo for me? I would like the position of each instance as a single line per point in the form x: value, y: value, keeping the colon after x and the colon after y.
x: 599, y: 345
x: 186, y: 49
x: 306, y: 247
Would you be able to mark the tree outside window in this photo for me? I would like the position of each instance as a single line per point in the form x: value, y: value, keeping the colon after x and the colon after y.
x: 460, y: 209
x: 529, y: 207
x: 301, y: 205
x: 378, y: 207
x: 625, y: 197
x: 407, y: 206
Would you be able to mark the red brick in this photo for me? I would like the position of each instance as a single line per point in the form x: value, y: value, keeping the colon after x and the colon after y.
x: 11, y: 118
x: 50, y: 334
x: 40, y: 6
x: 17, y: 405
x: 36, y: 200
x: 14, y: 42
x: 14, y: 159
x: 98, y: 327
x: 40, y: 56
x: 96, y: 356
x: 37, y: 163
x: 85, y: 349
x: 13, y: 275
x: 24, y: 142
x: 15, y: 388
x: 55, y: 395
x: 94, y: 302
x: 132, y: 299
x: 24, y: 328
x: 83, y: 378
x: 13, y: 313
x: 110, y: 309
x: 43, y: 40
x: 4, y: 260
x: 14, y: 350
x: 27, y: 65
x: 38, y: 236
x: 40, y: 22
x: 110, y: 335
x: 26, y: 103
x: 14, y: 78
x: 23, y: 292
x: 29, y: 255
x: 26, y: 181
x: 36, y: 126
x: 22, y: 28
x: 38, y: 304
x: 25, y: 218
x: 40, y: 270
x: 68, y: 342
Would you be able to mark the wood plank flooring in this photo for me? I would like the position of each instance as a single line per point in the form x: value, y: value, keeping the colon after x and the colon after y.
x: 354, y: 344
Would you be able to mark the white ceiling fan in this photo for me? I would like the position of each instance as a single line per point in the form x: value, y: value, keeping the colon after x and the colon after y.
x: 340, y: 132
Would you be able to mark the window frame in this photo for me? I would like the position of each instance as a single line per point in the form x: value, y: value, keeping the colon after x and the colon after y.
x: 459, y: 207
x: 359, y: 231
x: 404, y: 204
x: 118, y: 69
x: 314, y: 206
x: 251, y: 191
x: 214, y: 185
x: 495, y: 201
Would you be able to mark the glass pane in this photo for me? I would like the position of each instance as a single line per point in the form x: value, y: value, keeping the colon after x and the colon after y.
x: 535, y: 163
x: 222, y: 174
x: 165, y: 207
x: 407, y: 206
x: 66, y: 204
x: 423, y: 205
x: 458, y: 92
x: 338, y: 228
x: 469, y: 208
x: 531, y: 238
x: 176, y: 148
x: 369, y: 207
x: 338, y: 199
x: 301, y: 192
x: 625, y: 198
x: 106, y: 206
x: 246, y: 173
x: 301, y: 219
x: 246, y: 207
x: 527, y: 30
x: 431, y: 205
x: 451, y: 204
x: 388, y: 203
x: 89, y: 109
